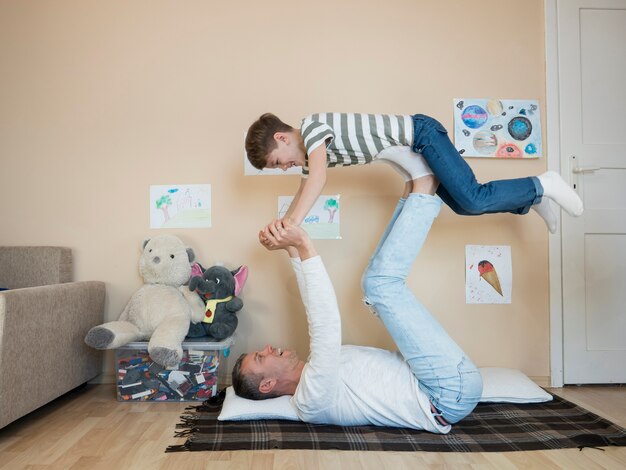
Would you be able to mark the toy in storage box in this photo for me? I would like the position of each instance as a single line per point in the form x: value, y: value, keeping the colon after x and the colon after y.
x: 200, y: 374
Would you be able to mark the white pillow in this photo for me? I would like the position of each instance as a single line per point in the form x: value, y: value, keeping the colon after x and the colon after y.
x: 236, y: 408
x: 510, y: 386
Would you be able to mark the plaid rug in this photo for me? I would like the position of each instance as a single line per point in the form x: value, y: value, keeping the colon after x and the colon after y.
x: 492, y: 427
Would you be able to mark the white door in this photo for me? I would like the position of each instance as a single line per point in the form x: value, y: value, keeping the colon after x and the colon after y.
x: 592, y: 78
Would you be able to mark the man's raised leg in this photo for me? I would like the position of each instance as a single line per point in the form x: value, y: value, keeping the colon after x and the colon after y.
x: 444, y: 372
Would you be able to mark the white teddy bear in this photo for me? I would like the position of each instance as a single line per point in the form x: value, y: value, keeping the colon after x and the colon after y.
x: 162, y: 309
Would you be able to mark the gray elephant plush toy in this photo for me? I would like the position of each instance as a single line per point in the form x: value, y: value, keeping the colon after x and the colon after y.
x: 163, y: 307
x: 219, y: 288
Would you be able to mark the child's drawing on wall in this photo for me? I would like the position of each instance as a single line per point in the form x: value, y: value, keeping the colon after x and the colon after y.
x: 332, y: 206
x: 163, y: 203
x: 322, y: 221
x: 496, y: 128
x: 180, y: 206
x: 488, y: 274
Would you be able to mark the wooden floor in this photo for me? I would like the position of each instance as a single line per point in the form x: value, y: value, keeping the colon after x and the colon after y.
x: 89, y: 429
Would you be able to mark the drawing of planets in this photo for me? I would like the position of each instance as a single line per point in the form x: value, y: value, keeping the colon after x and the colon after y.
x: 474, y: 116
x: 485, y: 142
x: 530, y: 149
x: 496, y: 127
x: 508, y: 150
x: 494, y: 107
x: 520, y: 128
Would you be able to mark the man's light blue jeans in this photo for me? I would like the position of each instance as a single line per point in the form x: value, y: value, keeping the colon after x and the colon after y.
x: 444, y: 372
x: 458, y: 186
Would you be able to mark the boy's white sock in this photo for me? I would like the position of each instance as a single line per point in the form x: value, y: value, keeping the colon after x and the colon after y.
x: 546, y: 213
x: 560, y: 192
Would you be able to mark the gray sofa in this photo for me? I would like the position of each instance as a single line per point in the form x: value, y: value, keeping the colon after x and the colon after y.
x: 43, y: 320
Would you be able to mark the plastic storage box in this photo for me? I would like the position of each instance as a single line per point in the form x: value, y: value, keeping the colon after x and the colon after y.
x: 200, y: 375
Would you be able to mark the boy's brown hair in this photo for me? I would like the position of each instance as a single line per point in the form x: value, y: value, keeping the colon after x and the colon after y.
x: 260, y: 139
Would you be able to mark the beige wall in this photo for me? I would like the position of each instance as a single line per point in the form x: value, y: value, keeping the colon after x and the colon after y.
x: 99, y: 100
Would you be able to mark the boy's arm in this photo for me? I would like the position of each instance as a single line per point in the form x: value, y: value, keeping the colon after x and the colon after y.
x: 310, y: 188
x: 296, y: 199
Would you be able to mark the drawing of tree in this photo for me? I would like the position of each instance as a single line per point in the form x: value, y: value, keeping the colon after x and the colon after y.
x: 331, y: 205
x: 163, y: 203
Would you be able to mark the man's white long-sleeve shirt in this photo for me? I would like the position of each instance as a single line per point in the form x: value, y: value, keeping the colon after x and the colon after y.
x: 352, y: 385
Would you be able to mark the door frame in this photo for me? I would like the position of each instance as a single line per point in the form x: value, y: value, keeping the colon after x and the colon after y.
x: 554, y: 160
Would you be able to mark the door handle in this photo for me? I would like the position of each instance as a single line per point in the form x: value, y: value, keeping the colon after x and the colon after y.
x: 581, y: 169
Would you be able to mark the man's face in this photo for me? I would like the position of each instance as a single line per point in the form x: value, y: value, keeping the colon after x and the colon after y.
x: 271, y: 362
x: 286, y: 154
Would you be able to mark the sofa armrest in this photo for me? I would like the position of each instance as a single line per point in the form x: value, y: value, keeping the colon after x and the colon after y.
x: 42, y: 348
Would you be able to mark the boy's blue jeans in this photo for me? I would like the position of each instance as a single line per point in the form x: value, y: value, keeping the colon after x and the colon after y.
x: 458, y: 186
x: 444, y: 372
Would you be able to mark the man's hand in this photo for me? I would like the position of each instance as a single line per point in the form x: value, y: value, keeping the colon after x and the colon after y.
x: 276, y: 223
x: 280, y: 234
x: 268, y: 241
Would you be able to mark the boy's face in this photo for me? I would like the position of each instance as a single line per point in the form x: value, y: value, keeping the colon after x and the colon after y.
x: 287, y: 153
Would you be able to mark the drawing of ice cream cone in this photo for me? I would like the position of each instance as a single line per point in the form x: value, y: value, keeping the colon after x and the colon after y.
x: 488, y: 273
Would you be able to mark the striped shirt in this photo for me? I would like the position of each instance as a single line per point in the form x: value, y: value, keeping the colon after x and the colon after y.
x: 354, y: 139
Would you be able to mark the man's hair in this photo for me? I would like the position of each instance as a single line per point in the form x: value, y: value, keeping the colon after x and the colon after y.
x: 247, y: 385
x: 260, y: 138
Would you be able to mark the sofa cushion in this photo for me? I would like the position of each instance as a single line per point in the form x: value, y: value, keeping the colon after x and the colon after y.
x: 32, y: 266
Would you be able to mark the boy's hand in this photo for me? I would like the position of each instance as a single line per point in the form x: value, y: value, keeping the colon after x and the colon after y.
x: 268, y: 242
x: 280, y: 234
